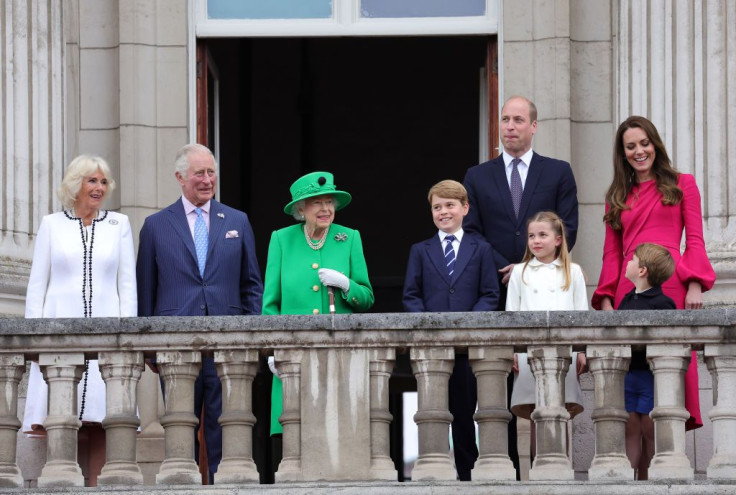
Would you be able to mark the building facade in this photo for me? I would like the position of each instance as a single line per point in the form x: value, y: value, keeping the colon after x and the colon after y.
x: 279, y: 92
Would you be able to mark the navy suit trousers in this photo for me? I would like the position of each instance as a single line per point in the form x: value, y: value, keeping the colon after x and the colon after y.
x: 463, y: 399
x: 208, y: 393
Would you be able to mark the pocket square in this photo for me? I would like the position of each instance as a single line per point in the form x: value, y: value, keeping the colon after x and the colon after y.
x: 231, y: 234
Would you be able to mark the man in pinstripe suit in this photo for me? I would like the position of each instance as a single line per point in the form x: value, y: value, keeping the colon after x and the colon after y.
x: 220, y: 276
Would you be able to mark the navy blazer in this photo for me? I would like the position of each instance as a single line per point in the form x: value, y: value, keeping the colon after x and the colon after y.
x: 550, y: 185
x: 473, y: 286
x: 169, y: 283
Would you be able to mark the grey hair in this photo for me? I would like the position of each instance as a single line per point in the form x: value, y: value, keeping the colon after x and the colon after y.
x: 302, y: 203
x: 181, y: 162
x: 79, y: 168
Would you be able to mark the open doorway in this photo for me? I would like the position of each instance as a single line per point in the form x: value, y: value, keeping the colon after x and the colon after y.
x: 389, y: 116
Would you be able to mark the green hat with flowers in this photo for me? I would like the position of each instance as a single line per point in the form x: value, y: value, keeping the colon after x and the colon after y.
x: 316, y: 184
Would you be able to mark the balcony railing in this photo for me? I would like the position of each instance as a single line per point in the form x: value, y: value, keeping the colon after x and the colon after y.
x: 335, y: 372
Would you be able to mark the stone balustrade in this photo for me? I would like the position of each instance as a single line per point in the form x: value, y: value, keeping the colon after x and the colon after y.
x: 335, y: 372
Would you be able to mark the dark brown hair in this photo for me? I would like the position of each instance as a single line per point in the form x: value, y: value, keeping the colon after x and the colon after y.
x: 624, y: 177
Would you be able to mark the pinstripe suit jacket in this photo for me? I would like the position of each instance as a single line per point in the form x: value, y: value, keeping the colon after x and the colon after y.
x: 169, y: 283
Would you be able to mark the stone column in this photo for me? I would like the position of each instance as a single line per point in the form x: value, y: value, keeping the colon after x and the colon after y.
x: 432, y: 367
x: 381, y: 365
x: 62, y: 372
x: 179, y: 370
x: 236, y: 370
x: 669, y: 363
x: 12, y: 367
x: 491, y: 366
x: 609, y: 365
x: 721, y: 361
x: 289, y: 363
x: 550, y: 365
x: 121, y: 372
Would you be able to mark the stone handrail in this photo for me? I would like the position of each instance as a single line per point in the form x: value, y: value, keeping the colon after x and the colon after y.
x: 335, y: 372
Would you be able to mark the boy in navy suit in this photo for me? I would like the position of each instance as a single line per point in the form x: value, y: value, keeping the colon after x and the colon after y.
x: 648, y: 269
x: 454, y: 271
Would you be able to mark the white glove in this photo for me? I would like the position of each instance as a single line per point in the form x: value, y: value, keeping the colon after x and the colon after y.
x: 272, y: 366
x: 330, y: 277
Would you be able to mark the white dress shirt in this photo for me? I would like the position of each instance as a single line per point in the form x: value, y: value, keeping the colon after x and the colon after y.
x: 526, y: 160
x: 455, y: 244
x: 189, y: 209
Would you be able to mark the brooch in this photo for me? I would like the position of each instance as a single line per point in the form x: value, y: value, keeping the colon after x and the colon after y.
x: 342, y: 236
x: 221, y: 215
x: 113, y: 221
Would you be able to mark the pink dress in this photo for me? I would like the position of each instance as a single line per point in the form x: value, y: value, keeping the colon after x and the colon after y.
x: 648, y: 220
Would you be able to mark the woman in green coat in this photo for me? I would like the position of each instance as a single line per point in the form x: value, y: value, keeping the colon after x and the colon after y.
x: 309, y: 260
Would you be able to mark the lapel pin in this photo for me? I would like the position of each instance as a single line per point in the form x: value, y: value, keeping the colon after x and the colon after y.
x: 221, y: 215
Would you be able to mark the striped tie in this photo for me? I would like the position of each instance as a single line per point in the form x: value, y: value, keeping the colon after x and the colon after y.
x: 450, y: 254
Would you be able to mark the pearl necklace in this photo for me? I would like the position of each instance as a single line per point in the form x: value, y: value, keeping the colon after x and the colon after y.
x: 319, y: 244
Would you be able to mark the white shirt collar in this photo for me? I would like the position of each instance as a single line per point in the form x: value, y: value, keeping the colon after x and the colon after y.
x: 534, y: 262
x: 189, y: 206
x: 458, y: 235
x: 526, y: 158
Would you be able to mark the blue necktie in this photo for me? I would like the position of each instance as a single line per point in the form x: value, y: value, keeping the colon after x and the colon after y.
x: 516, y: 189
x: 450, y: 254
x: 201, y: 241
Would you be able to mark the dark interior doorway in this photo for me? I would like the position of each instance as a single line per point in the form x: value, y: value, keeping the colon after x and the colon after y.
x: 388, y: 116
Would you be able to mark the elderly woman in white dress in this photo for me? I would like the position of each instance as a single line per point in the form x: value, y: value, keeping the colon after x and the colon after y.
x: 83, y: 266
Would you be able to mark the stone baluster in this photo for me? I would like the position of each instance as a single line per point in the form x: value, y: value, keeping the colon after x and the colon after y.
x: 669, y: 363
x: 12, y: 367
x: 550, y: 365
x: 432, y: 367
x: 721, y: 361
x: 381, y: 365
x: 609, y: 365
x: 289, y: 364
x: 236, y: 370
x: 491, y: 366
x: 62, y: 372
x: 121, y: 372
x: 179, y: 370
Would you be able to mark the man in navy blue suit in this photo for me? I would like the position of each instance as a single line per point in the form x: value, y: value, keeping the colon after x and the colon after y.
x: 197, y: 257
x: 512, y: 187
x: 453, y: 271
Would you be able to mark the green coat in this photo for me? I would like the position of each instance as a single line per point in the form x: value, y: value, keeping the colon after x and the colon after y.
x: 292, y: 285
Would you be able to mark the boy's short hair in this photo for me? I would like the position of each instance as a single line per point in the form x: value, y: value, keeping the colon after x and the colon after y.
x: 451, y: 189
x: 657, y: 260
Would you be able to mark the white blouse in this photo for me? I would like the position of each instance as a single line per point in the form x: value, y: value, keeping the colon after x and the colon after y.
x: 541, y: 289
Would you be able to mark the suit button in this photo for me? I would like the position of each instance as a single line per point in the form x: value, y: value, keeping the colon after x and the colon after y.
x: 452, y: 291
x: 315, y: 311
x: 315, y: 288
x: 518, y: 233
x: 315, y: 265
x: 201, y: 306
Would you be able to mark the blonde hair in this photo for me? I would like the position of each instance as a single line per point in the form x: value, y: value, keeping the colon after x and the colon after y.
x: 81, y: 167
x: 657, y: 260
x: 561, y: 251
x: 451, y: 189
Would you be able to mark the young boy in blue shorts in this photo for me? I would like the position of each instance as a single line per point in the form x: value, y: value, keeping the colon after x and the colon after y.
x: 649, y: 268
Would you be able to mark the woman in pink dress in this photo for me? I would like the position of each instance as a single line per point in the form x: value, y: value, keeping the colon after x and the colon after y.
x: 650, y: 201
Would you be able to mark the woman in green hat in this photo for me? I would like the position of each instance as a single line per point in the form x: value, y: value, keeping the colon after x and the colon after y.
x: 312, y: 260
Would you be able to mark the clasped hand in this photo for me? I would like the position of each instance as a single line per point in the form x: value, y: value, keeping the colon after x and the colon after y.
x: 333, y: 278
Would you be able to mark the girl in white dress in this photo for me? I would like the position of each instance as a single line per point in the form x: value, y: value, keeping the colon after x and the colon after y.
x: 83, y: 266
x: 546, y: 280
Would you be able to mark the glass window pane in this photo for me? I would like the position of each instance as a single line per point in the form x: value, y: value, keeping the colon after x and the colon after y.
x: 269, y: 9
x: 422, y: 8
